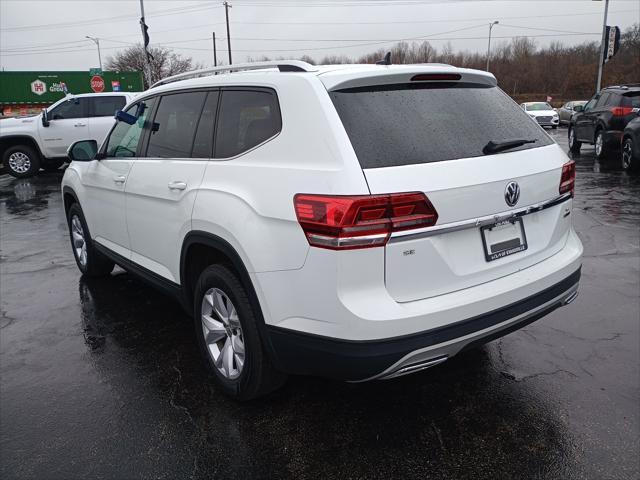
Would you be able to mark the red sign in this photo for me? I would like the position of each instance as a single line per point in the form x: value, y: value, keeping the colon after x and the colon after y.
x: 97, y: 84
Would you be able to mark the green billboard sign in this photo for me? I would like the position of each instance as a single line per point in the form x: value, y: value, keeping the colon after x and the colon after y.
x: 19, y: 88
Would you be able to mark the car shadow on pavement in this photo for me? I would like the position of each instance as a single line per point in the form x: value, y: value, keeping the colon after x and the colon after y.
x: 465, y: 414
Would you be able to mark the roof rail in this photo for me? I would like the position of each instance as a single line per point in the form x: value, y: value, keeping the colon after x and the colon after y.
x: 282, y: 65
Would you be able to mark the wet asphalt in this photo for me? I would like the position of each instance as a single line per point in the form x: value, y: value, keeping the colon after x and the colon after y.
x: 102, y: 379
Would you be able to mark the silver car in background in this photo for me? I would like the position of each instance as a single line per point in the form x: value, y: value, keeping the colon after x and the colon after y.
x: 568, y: 109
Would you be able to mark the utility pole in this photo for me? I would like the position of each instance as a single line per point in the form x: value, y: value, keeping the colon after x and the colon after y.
x: 602, y: 45
x: 489, y: 44
x: 97, y: 42
x: 145, y: 42
x: 215, y: 55
x: 226, y: 12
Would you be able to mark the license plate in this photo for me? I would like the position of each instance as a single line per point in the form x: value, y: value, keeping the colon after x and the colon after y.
x: 503, y: 239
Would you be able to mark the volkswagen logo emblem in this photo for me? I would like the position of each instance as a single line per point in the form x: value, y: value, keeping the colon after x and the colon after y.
x: 512, y: 193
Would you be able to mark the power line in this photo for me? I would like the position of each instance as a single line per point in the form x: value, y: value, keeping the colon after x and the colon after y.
x: 119, y: 18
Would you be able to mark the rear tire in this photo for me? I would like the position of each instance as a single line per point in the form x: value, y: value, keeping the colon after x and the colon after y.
x: 21, y: 161
x: 228, y: 338
x: 574, y: 144
x: 90, y: 262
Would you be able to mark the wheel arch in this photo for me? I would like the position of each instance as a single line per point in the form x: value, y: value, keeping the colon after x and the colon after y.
x: 69, y: 197
x: 198, y: 241
x: 9, y: 141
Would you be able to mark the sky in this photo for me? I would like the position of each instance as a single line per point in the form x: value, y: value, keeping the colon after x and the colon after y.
x: 50, y: 34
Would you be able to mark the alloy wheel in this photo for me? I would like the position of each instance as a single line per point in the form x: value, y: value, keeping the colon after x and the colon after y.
x: 627, y: 151
x: 599, y: 144
x: 223, y: 333
x: 19, y: 162
x: 79, y: 243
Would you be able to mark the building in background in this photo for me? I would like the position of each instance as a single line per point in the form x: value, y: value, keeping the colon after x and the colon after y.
x: 26, y: 93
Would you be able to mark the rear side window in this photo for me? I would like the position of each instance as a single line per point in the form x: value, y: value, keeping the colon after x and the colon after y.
x: 408, y: 124
x: 247, y: 118
x: 174, y: 125
x: 203, y: 143
x: 603, y: 100
x: 106, y: 106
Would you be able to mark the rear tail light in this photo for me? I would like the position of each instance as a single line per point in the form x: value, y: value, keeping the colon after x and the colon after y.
x: 568, y: 178
x: 621, y: 111
x: 361, y: 221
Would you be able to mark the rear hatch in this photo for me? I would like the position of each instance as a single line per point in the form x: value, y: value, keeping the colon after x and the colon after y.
x: 429, y: 136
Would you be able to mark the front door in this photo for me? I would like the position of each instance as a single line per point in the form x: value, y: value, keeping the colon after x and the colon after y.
x: 68, y: 123
x: 106, y: 179
x: 164, y: 182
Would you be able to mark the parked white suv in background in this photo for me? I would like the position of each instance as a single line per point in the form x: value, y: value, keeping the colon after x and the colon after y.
x: 30, y: 143
x: 356, y: 221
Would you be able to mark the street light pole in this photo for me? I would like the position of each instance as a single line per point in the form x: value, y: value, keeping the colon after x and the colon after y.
x: 489, y: 44
x: 602, y: 45
x: 97, y: 42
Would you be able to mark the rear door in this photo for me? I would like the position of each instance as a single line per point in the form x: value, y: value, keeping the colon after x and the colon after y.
x: 430, y: 138
x: 163, y: 183
x: 102, y: 109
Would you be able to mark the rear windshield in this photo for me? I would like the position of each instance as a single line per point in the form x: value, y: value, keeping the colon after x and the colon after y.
x: 406, y: 124
x: 631, y: 99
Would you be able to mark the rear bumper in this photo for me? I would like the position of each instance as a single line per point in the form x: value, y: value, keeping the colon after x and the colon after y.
x: 301, y: 353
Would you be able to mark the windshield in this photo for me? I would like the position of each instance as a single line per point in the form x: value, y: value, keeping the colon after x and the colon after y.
x: 405, y: 124
x: 538, y: 106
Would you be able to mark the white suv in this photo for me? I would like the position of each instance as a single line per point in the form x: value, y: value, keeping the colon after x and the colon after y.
x: 41, y: 141
x: 356, y: 222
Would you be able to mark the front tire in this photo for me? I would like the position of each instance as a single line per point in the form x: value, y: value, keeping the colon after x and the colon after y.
x: 574, y: 144
x: 21, y: 161
x: 90, y: 262
x: 228, y: 338
x: 629, y: 162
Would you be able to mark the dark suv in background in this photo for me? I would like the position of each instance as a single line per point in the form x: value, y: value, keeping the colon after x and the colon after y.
x: 602, y: 120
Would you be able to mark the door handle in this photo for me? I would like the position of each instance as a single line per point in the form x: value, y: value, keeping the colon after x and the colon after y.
x: 119, y: 178
x: 177, y: 185
x: 80, y: 125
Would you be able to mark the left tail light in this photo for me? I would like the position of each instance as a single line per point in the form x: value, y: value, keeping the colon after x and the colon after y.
x: 343, y: 222
x: 568, y: 178
x: 621, y: 111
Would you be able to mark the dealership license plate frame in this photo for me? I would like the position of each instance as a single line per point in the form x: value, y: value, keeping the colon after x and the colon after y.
x: 504, y: 248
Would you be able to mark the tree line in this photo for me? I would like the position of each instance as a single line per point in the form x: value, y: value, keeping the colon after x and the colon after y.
x: 523, y: 69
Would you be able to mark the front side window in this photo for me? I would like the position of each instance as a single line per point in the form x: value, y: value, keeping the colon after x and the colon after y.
x: 124, y: 138
x: 591, y: 103
x: 72, y: 108
x: 174, y: 125
x: 106, y: 106
x: 602, y: 101
x: 247, y: 118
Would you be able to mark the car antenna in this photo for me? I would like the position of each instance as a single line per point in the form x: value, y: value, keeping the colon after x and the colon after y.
x: 386, y: 60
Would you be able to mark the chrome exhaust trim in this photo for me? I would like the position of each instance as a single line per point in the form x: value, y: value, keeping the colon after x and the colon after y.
x: 570, y: 298
x: 416, y: 367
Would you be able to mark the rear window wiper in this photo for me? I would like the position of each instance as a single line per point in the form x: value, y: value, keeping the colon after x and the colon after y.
x: 495, y: 147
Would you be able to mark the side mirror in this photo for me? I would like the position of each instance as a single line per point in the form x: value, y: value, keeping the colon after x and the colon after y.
x: 126, y: 117
x: 83, y: 151
x: 45, y: 118
x: 578, y: 108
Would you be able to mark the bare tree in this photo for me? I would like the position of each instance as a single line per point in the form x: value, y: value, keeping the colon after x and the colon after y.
x: 164, y: 63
